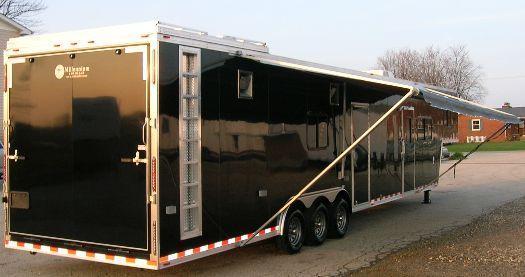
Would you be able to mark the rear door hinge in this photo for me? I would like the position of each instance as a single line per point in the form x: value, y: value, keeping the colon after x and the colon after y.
x: 153, y: 122
x: 153, y: 199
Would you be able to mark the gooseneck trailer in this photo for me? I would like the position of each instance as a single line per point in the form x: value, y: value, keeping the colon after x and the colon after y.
x: 150, y: 145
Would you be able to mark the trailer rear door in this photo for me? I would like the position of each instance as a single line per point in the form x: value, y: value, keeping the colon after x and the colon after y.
x: 78, y: 120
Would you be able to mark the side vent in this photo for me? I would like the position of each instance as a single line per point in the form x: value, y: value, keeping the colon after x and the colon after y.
x: 190, y: 143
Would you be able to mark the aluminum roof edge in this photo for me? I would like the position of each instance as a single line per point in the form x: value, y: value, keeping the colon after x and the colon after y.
x: 231, y: 41
x: 81, y: 39
x: 330, y: 70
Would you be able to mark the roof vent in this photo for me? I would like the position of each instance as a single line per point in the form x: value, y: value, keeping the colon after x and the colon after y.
x: 379, y: 72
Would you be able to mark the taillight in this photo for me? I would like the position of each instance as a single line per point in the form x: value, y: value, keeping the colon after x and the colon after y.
x: 153, y: 174
x: 4, y: 166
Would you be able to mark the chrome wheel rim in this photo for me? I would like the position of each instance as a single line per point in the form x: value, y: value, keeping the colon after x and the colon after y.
x: 294, y: 231
x: 319, y: 224
x: 341, y: 218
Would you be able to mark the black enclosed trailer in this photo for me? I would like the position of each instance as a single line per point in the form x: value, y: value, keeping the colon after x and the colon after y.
x: 150, y: 145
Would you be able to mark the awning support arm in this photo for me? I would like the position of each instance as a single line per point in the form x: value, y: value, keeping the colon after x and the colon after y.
x: 495, y: 134
x: 411, y: 92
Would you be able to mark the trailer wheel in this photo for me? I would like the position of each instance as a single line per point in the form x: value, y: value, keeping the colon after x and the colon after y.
x: 340, y: 218
x: 317, y: 224
x: 293, y: 234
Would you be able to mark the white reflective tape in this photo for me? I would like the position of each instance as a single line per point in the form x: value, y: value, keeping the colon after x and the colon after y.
x: 120, y: 259
x: 188, y: 252
x: 141, y: 262
x: 232, y: 240
x: 204, y: 248
x: 244, y: 237
x: 172, y: 257
x: 81, y: 254
x: 45, y: 249
x: 99, y: 256
x: 62, y: 251
x: 218, y: 244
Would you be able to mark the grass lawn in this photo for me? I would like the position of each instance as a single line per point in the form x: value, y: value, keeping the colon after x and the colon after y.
x: 489, y: 146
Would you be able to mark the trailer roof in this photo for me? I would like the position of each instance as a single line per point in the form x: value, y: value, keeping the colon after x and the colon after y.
x: 122, y: 34
x: 256, y: 50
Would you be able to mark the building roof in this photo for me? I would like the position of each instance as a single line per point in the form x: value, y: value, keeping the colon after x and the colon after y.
x: 517, y: 111
x: 21, y: 28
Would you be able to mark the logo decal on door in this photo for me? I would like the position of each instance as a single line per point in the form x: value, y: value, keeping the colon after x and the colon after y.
x: 71, y: 71
x: 59, y: 71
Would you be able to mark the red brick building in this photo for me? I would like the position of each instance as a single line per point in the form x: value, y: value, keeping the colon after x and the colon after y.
x: 478, y: 129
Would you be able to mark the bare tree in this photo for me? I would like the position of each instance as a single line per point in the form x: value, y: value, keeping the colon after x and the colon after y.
x: 451, y: 68
x: 22, y: 11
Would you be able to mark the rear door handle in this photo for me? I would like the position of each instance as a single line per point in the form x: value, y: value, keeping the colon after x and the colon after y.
x: 16, y: 157
x: 136, y: 160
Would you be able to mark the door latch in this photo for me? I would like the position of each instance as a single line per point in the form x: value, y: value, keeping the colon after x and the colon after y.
x: 137, y: 160
x: 16, y: 157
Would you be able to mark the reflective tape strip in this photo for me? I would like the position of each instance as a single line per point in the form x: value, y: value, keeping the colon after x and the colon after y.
x: 219, y: 246
x: 429, y: 186
x: 84, y: 255
x: 386, y: 198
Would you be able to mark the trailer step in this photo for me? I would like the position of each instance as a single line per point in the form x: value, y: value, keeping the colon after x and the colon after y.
x: 189, y: 207
x: 190, y: 184
x: 190, y: 118
x: 189, y: 75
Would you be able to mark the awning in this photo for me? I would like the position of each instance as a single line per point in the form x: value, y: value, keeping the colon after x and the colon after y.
x: 447, y: 102
x: 430, y: 94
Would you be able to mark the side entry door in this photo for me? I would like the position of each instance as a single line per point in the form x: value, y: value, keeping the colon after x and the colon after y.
x: 408, y: 149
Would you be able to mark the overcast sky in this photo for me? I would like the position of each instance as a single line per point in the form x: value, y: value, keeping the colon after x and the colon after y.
x: 349, y: 34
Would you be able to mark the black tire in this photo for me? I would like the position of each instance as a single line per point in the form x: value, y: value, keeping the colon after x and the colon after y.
x: 339, y: 218
x: 294, y: 232
x: 317, y: 224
